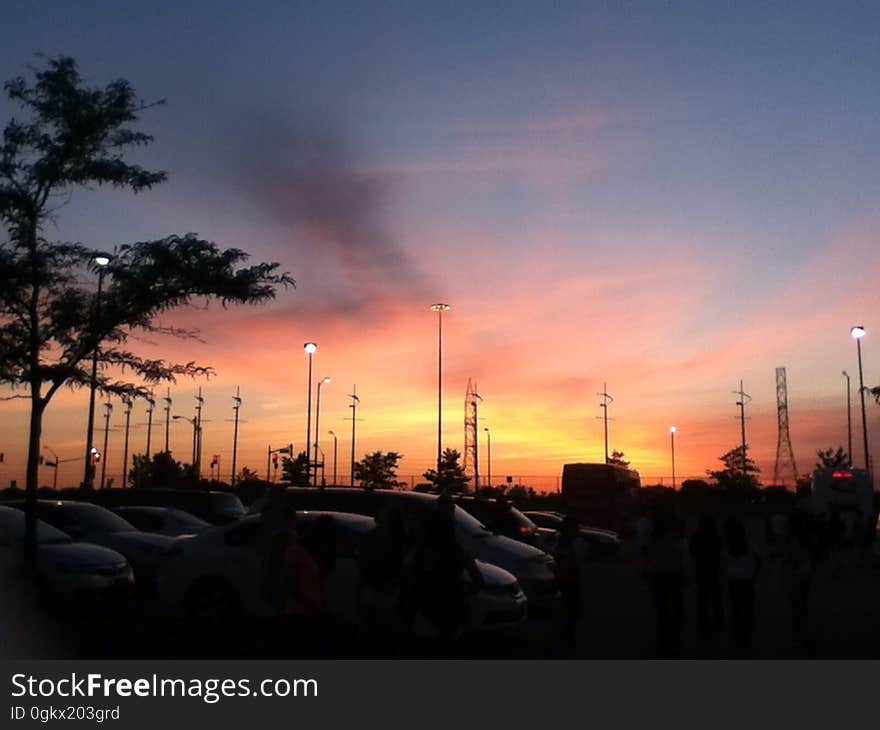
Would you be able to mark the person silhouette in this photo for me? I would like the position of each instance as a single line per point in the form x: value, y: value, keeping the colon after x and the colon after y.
x: 666, y: 571
x: 705, y: 551
x: 570, y: 555
x: 743, y: 566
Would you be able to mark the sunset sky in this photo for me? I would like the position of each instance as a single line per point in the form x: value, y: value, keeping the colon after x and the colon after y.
x: 667, y: 197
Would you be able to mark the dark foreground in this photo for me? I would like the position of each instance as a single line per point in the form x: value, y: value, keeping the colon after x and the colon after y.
x: 618, y: 622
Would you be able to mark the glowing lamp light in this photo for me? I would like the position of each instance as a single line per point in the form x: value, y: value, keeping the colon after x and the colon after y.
x: 672, y: 429
x: 310, y: 348
x: 102, y: 260
x: 857, y: 332
x: 326, y: 380
x: 440, y: 307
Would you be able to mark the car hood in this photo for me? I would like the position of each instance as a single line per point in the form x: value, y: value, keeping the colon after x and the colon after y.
x: 81, y: 552
x: 504, y: 551
x: 135, y: 539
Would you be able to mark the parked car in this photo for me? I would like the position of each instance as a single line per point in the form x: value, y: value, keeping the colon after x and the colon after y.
x: 217, y: 508
x: 501, y: 517
x: 216, y: 576
x: 64, y: 567
x: 533, y: 568
x: 600, y: 543
x: 163, y: 520
x: 90, y: 523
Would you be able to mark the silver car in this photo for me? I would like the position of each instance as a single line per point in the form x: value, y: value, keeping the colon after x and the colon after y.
x: 64, y: 567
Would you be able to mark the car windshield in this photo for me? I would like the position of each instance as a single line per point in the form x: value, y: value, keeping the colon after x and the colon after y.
x: 87, y: 518
x: 469, y: 523
x: 12, y: 522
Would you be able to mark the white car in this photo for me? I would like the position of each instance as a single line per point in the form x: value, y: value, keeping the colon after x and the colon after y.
x: 64, y: 567
x: 216, y: 576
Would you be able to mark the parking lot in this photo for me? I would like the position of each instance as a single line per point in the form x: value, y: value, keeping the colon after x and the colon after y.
x: 618, y: 622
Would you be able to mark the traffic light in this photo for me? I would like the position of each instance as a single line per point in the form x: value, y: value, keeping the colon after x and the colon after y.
x: 275, y: 460
x: 215, y: 460
x: 42, y: 459
x: 96, y: 456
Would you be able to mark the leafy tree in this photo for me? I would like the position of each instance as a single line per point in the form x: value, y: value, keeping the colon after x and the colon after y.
x: 520, y: 493
x: 73, y: 137
x: 378, y: 470
x: 875, y: 392
x: 830, y: 457
x: 159, y: 471
x: 296, y: 471
x: 451, y: 477
x: 617, y: 458
x: 733, y: 474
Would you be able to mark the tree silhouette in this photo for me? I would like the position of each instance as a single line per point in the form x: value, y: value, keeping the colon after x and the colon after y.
x: 829, y: 457
x: 378, y: 470
x: 452, y: 477
x: 73, y: 137
x: 617, y: 458
x: 733, y: 474
x: 159, y: 471
x: 296, y: 471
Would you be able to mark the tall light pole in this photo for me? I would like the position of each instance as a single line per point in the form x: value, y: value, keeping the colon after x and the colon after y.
x: 857, y: 333
x: 488, y: 457
x: 744, y: 399
x: 151, y: 406
x: 197, y: 459
x: 101, y: 262
x: 108, y: 409
x: 672, y: 430
x: 440, y: 308
x: 317, y: 420
x: 310, y: 349
x: 606, y: 399
x: 335, y: 443
x: 195, y: 424
x: 355, y: 401
x: 848, y: 417
x: 236, y: 405
x: 127, y: 403
x: 167, y: 409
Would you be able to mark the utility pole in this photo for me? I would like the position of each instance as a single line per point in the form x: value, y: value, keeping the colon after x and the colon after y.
x: 744, y: 399
x: 335, y: 444
x: 606, y: 400
x: 197, y: 441
x: 151, y: 405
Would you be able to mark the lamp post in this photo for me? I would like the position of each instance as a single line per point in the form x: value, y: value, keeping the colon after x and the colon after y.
x: 440, y: 308
x: 317, y: 420
x: 151, y: 405
x: 672, y: 430
x: 857, y: 333
x: 310, y: 349
x: 848, y: 417
x: 108, y: 409
x: 488, y: 457
x: 167, y: 400
x: 236, y: 405
x: 355, y: 401
x: 101, y: 262
x: 127, y: 403
x: 335, y: 443
x: 195, y: 424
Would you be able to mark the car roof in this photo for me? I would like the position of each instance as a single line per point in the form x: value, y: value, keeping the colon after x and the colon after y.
x: 347, y: 519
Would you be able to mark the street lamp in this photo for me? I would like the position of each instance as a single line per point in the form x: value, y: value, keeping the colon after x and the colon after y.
x: 101, y: 261
x: 488, y: 457
x: 317, y: 420
x: 672, y: 430
x: 310, y: 348
x: 857, y: 333
x: 195, y: 424
x: 439, y: 308
x: 335, y: 442
x: 848, y: 417
x: 108, y: 408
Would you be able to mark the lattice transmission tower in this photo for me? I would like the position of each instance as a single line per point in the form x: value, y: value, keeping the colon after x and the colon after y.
x: 471, y: 451
x: 784, y: 455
